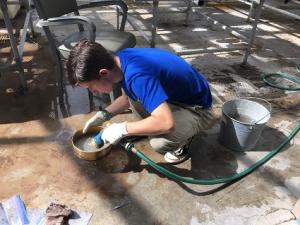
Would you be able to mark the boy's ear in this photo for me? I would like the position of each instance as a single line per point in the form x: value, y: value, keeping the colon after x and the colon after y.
x: 103, y: 72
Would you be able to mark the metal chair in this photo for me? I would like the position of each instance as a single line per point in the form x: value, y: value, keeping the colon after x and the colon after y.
x: 54, y: 13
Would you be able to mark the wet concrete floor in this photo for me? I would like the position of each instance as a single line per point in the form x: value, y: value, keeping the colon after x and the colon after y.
x: 37, y: 160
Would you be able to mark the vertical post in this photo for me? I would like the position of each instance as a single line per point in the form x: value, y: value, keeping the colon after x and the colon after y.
x: 188, y: 12
x: 154, y: 23
x: 252, y: 7
x: 118, y: 18
x: 253, y: 32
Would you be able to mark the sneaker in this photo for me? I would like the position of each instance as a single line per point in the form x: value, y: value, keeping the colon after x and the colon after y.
x: 178, y: 155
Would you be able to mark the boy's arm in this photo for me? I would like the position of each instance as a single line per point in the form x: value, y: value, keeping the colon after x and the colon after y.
x: 160, y: 121
x: 116, y: 107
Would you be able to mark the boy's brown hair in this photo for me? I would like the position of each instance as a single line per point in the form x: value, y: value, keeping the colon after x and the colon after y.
x: 86, y: 59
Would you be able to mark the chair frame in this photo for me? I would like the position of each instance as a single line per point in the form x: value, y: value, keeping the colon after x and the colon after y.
x: 82, y: 22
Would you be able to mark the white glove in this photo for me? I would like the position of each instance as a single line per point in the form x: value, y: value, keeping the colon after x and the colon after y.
x: 114, y: 133
x: 97, y: 120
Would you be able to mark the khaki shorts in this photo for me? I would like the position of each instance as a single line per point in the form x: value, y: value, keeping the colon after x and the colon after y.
x: 189, y: 121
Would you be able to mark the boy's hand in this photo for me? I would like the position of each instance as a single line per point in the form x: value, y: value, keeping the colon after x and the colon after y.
x: 97, y: 120
x: 114, y: 133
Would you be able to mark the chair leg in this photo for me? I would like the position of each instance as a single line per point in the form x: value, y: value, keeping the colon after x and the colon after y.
x: 116, y: 92
x: 91, y: 101
x: 188, y: 12
x: 57, y: 59
x: 23, y: 87
x: 60, y: 80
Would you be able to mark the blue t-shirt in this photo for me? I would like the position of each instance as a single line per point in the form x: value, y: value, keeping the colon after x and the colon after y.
x: 153, y: 76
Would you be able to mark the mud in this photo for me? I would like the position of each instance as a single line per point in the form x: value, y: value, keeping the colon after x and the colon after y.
x: 288, y: 102
x: 86, y: 143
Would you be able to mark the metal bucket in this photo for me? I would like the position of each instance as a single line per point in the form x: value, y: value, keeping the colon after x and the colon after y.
x: 242, y: 123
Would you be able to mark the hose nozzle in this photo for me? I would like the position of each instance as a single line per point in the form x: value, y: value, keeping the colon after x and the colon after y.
x: 97, y: 140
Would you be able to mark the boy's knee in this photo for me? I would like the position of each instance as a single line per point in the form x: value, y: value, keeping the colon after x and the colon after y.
x: 161, y: 145
x: 157, y: 145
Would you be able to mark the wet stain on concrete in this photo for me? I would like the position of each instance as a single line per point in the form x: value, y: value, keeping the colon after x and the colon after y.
x: 287, y: 102
x: 248, y: 72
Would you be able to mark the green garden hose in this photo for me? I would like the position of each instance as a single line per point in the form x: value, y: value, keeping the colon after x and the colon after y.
x: 266, y: 79
x: 130, y: 147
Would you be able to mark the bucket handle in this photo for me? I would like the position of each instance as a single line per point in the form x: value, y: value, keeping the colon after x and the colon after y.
x: 262, y: 100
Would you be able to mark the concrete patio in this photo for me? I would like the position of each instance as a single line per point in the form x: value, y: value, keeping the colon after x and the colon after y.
x: 37, y: 160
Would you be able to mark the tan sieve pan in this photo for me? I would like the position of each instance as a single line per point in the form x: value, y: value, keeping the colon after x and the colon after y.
x: 89, y: 155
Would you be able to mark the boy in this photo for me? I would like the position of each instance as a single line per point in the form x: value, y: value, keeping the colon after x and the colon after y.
x: 160, y: 87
